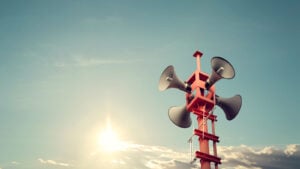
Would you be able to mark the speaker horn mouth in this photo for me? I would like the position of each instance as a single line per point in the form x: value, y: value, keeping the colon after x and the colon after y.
x: 231, y: 106
x: 180, y: 116
x: 222, y: 67
x: 169, y: 79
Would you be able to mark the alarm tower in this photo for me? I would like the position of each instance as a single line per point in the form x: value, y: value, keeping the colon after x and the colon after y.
x: 201, y: 100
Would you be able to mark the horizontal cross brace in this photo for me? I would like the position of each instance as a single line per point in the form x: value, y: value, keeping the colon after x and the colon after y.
x: 208, y: 157
x: 205, y: 135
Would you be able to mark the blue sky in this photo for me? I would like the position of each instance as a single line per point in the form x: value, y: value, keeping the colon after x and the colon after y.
x: 68, y: 66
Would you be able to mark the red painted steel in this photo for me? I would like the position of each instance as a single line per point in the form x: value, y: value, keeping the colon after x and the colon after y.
x: 201, y: 102
x: 207, y: 157
x: 197, y: 53
x: 205, y: 135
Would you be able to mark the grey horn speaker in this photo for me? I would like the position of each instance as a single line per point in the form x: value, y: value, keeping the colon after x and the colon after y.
x: 168, y: 79
x: 231, y: 106
x: 221, y: 68
x: 180, y: 116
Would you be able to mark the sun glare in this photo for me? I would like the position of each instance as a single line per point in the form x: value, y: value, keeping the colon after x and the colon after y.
x: 109, y: 141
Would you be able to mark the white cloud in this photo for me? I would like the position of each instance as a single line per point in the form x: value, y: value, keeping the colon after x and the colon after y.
x: 157, y: 164
x: 141, y: 157
x: 268, y: 157
x: 94, y: 61
x: 15, y: 163
x: 243, y: 167
x: 291, y: 149
x: 233, y: 157
x: 136, y: 156
x: 266, y: 150
x: 11, y: 164
x: 80, y: 61
x: 52, y: 162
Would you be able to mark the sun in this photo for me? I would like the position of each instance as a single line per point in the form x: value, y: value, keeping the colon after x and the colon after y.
x: 108, y: 140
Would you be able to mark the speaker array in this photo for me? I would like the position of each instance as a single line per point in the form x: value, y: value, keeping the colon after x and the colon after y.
x: 221, y: 69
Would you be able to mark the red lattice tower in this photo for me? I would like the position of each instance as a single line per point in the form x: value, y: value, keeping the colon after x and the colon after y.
x: 201, y: 102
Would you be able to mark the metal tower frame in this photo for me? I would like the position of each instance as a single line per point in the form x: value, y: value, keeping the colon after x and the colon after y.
x: 201, y: 102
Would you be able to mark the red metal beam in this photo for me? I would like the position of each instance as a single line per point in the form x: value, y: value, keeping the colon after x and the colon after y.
x: 205, y: 135
x: 207, y: 157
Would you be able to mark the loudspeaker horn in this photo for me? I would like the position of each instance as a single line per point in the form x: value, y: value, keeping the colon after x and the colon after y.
x: 180, y: 116
x: 168, y: 79
x: 231, y: 106
x: 221, y: 68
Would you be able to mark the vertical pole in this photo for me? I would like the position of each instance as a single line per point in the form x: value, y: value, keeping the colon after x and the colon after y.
x: 213, y: 132
x: 198, y: 63
x: 197, y: 55
x: 197, y: 72
x: 204, y: 146
x: 214, y: 143
x: 191, y: 151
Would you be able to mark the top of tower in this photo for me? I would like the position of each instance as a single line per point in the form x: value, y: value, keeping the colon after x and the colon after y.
x: 197, y: 53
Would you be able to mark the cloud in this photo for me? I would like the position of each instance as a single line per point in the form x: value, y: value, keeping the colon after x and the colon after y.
x: 86, y: 62
x: 94, y: 62
x: 233, y: 157
x: 141, y: 157
x: 291, y: 149
x: 15, y: 163
x: 137, y: 156
x: 11, y: 164
x: 52, y: 162
x: 269, y: 157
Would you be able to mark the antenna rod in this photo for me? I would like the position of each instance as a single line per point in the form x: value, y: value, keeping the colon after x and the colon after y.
x: 198, y: 55
x: 198, y: 63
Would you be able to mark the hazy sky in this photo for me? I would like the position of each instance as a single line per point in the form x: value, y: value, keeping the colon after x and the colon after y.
x: 68, y: 66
